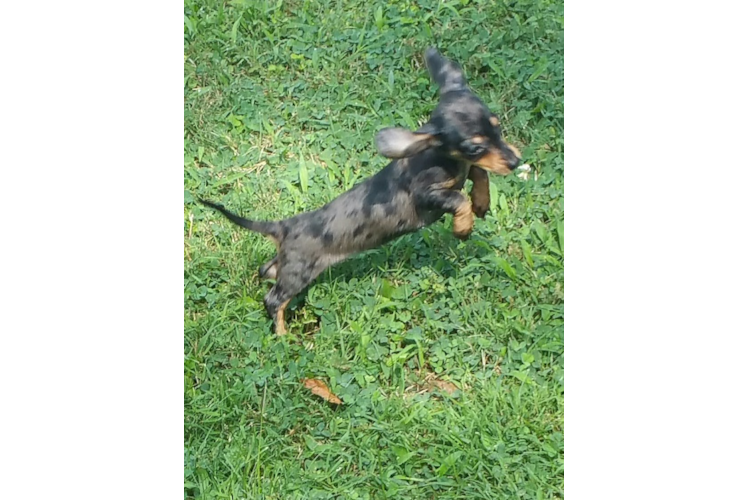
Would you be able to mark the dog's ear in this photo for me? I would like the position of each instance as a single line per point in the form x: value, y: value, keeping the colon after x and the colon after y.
x: 395, y: 142
x: 447, y: 74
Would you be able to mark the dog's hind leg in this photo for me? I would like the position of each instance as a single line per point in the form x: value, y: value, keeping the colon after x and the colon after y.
x: 269, y: 270
x: 292, y: 276
x: 276, y: 301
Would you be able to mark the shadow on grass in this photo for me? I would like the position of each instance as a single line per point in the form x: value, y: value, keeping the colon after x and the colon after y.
x: 433, y: 247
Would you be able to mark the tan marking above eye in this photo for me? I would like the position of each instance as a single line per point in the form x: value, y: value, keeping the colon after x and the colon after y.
x: 478, y: 139
x: 494, y: 121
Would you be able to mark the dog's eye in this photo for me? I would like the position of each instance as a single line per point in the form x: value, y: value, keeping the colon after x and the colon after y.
x: 472, y: 150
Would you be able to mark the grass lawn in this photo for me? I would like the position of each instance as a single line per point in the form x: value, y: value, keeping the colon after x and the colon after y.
x: 282, y: 99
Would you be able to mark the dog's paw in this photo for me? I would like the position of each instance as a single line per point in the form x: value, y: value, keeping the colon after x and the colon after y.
x: 463, y: 235
x: 463, y: 221
x: 480, y: 210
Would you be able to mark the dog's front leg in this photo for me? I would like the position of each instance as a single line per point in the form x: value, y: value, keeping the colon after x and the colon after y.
x: 453, y: 202
x: 480, y: 195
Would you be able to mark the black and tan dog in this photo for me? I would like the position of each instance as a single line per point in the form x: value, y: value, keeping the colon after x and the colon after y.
x: 462, y: 140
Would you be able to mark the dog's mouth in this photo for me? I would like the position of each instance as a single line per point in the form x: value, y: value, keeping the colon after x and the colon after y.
x: 499, y: 162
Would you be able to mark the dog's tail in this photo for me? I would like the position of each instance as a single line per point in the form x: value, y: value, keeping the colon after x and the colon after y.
x: 269, y: 228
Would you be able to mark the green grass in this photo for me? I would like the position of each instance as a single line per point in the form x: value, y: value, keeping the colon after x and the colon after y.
x: 282, y: 101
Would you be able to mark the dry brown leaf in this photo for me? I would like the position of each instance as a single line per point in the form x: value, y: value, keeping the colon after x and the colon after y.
x: 497, y: 368
x: 445, y: 386
x: 320, y: 389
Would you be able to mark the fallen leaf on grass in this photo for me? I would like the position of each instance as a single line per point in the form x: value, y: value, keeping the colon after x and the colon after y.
x: 497, y: 368
x: 320, y: 389
x: 445, y: 386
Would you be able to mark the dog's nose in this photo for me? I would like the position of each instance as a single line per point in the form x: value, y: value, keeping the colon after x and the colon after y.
x: 514, y: 162
x: 512, y: 156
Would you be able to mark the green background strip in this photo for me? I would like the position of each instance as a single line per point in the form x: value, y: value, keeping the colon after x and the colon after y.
x: 569, y: 281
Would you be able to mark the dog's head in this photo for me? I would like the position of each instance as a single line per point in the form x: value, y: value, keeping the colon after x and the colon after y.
x: 461, y: 126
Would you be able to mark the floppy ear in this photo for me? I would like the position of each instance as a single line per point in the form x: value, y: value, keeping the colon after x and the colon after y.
x: 447, y: 74
x: 396, y: 142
